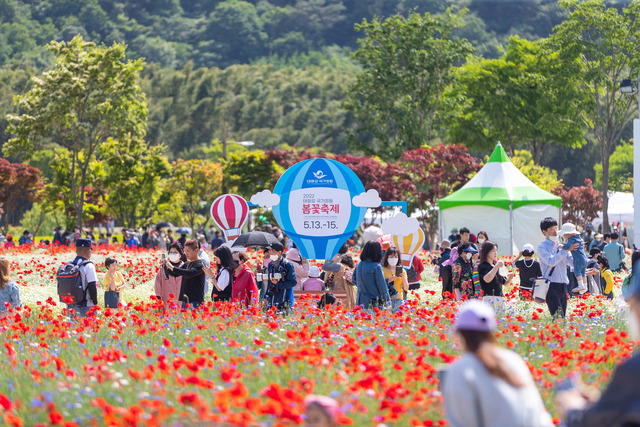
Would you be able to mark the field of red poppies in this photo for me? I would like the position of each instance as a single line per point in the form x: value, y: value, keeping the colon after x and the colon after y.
x: 226, y: 366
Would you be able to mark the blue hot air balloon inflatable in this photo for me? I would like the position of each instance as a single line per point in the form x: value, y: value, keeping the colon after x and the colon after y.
x: 316, y: 209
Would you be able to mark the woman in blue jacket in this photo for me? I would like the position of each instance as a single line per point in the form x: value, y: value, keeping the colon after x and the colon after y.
x: 369, y: 278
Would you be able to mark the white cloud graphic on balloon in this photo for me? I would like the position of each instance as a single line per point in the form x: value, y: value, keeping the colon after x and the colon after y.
x: 265, y: 199
x: 370, y: 199
x: 400, y: 225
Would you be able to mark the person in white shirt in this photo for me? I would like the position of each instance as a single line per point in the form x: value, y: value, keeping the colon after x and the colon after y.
x: 489, y: 386
x: 204, y: 257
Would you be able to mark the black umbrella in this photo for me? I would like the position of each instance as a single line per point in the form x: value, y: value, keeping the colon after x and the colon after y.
x: 164, y: 224
x: 255, y: 238
x: 183, y: 230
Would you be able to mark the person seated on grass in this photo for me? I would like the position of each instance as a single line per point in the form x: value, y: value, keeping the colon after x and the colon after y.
x: 9, y: 291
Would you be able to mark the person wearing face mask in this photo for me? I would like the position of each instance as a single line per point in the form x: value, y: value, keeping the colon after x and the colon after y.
x: 281, y: 279
x: 553, y: 262
x: 528, y: 269
x: 167, y: 287
x: 245, y: 290
x: 395, y: 276
x: 619, y: 404
x: 463, y: 271
x: 482, y: 237
x: 193, y: 275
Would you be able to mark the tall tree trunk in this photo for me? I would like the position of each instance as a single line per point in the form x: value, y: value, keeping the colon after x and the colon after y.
x: 604, y: 151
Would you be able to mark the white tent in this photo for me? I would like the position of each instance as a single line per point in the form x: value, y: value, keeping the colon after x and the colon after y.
x: 620, y: 210
x: 501, y: 201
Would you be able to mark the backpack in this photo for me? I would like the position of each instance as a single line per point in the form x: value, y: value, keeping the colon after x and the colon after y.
x: 70, y: 283
x: 412, y: 275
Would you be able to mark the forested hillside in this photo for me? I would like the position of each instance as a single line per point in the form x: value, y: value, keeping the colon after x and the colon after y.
x: 276, y: 72
x: 215, y: 33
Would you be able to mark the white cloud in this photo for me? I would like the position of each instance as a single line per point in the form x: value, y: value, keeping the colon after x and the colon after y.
x: 370, y: 199
x: 400, y: 225
x: 265, y: 198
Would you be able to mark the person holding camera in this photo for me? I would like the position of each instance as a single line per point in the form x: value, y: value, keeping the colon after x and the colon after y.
x: 193, y: 276
x: 281, y: 277
x: 491, y: 280
x: 395, y: 276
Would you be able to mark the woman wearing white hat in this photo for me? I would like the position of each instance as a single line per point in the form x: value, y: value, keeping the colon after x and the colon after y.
x: 489, y: 386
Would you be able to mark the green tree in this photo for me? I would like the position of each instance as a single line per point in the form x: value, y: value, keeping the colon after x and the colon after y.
x: 406, y: 65
x: 197, y: 184
x: 599, y: 45
x: 234, y: 32
x: 247, y: 171
x: 541, y: 176
x: 620, y: 169
x: 133, y: 171
x: 523, y: 99
x: 91, y: 94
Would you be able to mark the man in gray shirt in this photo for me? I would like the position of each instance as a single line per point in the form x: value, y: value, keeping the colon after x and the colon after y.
x: 554, y: 261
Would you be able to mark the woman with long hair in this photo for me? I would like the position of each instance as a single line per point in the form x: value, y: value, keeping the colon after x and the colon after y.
x: 223, y: 282
x: 244, y: 288
x: 395, y: 276
x: 9, y: 291
x: 491, y: 280
x: 369, y: 278
x: 489, y: 385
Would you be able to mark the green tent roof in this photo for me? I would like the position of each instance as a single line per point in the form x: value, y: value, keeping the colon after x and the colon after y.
x: 500, y: 184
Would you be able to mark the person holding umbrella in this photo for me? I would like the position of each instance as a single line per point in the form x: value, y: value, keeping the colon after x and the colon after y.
x: 281, y: 278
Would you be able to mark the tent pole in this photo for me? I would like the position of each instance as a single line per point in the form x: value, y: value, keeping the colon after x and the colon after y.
x: 511, y: 243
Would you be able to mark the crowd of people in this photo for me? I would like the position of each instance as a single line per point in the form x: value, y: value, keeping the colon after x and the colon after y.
x: 572, y: 267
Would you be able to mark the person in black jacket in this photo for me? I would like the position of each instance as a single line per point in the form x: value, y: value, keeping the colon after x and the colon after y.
x: 619, y: 405
x: 223, y: 281
x: 281, y: 279
x: 193, y: 277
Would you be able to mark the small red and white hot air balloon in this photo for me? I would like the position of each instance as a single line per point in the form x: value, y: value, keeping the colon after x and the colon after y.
x: 230, y: 212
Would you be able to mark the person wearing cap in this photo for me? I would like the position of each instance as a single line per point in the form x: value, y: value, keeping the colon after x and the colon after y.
x: 553, y: 262
x: 313, y: 283
x: 321, y: 411
x: 595, y: 243
x: 281, y: 277
x: 341, y: 274
x: 489, y: 385
x: 528, y: 269
x: 463, y: 271
x: 300, y: 265
x: 89, y: 279
x: 619, y: 404
x: 445, y: 267
x: 579, y: 256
